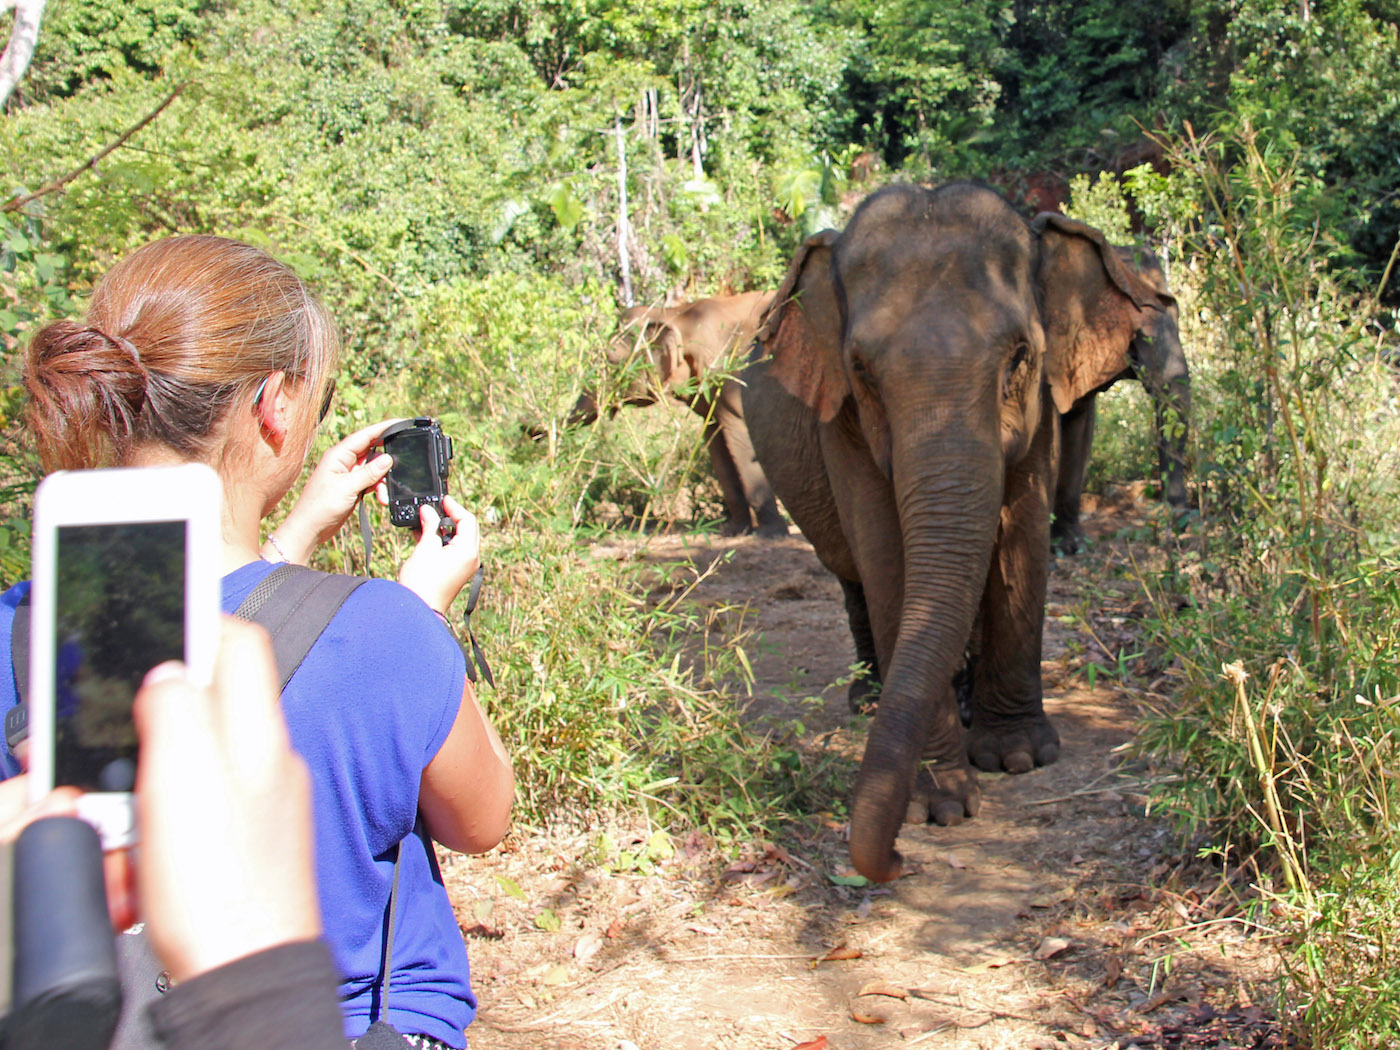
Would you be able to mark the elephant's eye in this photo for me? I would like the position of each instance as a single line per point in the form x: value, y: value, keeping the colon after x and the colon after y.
x: 861, y: 371
x: 1018, y: 358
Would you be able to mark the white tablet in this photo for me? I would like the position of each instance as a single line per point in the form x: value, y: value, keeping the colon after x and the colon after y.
x: 126, y: 576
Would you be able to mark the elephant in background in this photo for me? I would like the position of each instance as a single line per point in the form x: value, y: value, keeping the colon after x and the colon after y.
x: 1155, y: 358
x: 682, y: 345
x: 904, y: 398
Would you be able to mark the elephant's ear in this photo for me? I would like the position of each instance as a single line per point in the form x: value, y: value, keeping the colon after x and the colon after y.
x: 801, y: 330
x: 1091, y: 307
x: 1143, y: 262
x: 667, y: 348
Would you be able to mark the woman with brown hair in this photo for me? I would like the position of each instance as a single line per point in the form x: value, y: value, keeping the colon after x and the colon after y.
x: 204, y: 349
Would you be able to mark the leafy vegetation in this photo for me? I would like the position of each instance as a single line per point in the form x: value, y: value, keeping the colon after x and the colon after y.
x: 448, y: 175
x: 1279, y: 614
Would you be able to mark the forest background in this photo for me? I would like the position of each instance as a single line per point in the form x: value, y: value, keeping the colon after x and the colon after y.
x: 450, y: 177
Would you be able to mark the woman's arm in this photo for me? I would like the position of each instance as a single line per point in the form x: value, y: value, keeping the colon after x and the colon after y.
x: 330, y: 495
x: 466, y: 791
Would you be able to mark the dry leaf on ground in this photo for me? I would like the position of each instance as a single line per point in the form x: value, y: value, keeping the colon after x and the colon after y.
x: 1051, y: 946
x: 883, y: 988
x: 1050, y: 898
x: 838, y: 954
x: 586, y: 947
x: 991, y: 964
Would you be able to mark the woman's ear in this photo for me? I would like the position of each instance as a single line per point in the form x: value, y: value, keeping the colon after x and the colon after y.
x: 274, y: 408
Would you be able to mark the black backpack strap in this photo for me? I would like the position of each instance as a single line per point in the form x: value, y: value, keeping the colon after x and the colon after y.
x: 296, y: 604
x: 19, y: 647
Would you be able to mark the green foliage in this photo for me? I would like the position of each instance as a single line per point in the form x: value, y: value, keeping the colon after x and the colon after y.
x: 85, y: 40
x: 1101, y: 204
x: 1288, y: 586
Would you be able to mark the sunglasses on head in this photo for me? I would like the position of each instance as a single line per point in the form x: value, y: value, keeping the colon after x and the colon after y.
x: 325, y: 405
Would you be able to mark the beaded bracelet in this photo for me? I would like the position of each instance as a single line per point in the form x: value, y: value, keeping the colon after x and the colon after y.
x: 272, y: 539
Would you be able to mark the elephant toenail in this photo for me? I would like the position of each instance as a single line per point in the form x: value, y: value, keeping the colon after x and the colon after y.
x: 1018, y: 762
x: 987, y: 761
x: 946, y: 814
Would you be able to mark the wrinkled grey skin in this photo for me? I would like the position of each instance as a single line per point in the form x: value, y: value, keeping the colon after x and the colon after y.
x: 681, y: 345
x: 1156, y: 359
x: 904, y: 399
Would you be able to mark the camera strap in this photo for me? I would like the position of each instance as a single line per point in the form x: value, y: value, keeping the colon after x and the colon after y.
x: 476, y: 658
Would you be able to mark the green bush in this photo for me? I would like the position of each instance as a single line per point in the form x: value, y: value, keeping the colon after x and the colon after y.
x: 1279, y: 617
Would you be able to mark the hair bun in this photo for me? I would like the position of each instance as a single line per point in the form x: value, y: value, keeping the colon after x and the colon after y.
x: 87, y: 388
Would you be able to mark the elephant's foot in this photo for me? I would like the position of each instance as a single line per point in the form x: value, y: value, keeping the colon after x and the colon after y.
x: 944, y: 795
x: 1066, y: 539
x: 736, y: 527
x: 1015, y: 746
x: 863, y: 694
x: 773, y: 529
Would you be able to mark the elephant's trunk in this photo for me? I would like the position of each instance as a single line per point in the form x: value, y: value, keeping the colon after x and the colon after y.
x: 949, y: 489
x: 1172, y: 403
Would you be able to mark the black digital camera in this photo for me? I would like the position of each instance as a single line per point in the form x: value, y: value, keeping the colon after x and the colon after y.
x: 422, y: 453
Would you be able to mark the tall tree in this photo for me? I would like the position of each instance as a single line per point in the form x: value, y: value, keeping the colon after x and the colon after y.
x: 23, y: 37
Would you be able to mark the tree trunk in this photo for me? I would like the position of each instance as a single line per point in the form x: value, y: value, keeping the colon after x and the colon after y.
x: 624, y: 260
x: 18, y: 52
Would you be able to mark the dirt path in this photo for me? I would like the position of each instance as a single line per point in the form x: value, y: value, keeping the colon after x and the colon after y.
x: 1061, y: 917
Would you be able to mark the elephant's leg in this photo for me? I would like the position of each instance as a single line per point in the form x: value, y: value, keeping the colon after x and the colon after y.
x: 865, y: 687
x: 784, y: 434
x: 736, y: 507
x: 1009, y: 728
x: 757, y: 492
x: 1076, y: 442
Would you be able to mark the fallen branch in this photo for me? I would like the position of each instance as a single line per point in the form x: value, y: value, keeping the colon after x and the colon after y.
x: 1116, y: 789
x: 53, y: 187
x: 745, y: 957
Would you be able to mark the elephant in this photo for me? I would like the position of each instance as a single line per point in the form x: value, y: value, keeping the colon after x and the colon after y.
x: 1156, y: 358
x: 683, y: 344
x: 904, y: 394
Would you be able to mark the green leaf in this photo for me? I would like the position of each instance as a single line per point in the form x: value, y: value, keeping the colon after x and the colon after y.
x: 510, y: 211
x: 511, y: 888
x: 702, y: 191
x: 675, y: 252
x: 548, y: 921
x: 849, y: 880
x: 567, y: 208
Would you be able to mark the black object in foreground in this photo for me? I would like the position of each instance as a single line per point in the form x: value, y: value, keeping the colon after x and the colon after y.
x: 66, y: 990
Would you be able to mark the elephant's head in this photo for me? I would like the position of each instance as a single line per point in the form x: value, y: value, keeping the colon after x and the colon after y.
x: 1160, y: 362
x: 648, y: 348
x: 648, y: 334
x: 934, y: 337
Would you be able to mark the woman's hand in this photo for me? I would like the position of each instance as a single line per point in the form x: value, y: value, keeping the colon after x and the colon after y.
x: 437, y: 572
x: 331, y: 493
